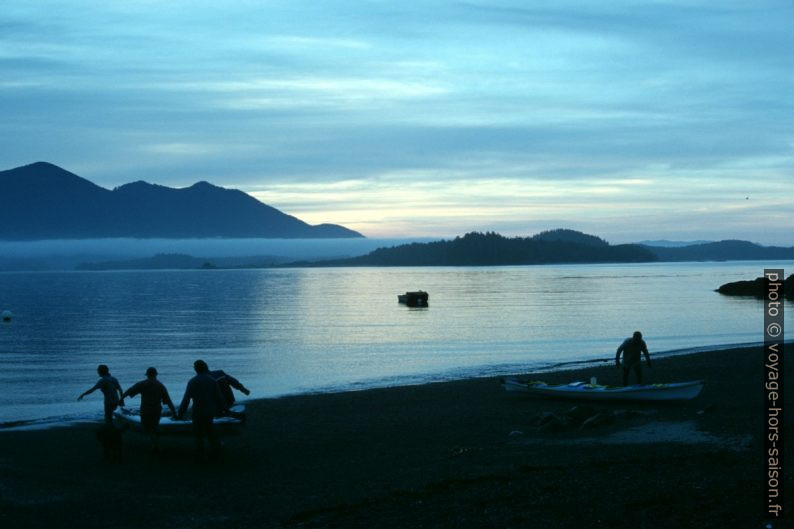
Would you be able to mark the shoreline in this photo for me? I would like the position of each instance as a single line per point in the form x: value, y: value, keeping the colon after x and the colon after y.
x: 402, y: 381
x: 451, y: 454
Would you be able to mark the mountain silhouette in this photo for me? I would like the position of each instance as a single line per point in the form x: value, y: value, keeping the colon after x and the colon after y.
x: 43, y: 201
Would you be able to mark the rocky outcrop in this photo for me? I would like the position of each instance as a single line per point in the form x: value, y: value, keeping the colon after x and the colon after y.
x: 583, y: 417
x: 756, y: 288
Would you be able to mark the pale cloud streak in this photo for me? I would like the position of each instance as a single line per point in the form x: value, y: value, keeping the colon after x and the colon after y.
x: 425, y: 118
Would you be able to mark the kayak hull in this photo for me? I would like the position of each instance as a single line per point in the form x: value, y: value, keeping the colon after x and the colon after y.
x: 223, y: 426
x: 674, y: 391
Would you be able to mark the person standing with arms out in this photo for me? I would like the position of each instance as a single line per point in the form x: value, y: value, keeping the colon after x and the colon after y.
x: 226, y: 382
x: 631, y: 349
x: 208, y: 402
x: 110, y: 388
x: 153, y: 395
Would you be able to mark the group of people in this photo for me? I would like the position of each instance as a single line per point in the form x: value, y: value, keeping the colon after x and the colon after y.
x: 212, y: 396
x: 210, y: 391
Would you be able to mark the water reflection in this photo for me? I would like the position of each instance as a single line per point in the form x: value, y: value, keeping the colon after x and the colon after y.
x: 290, y: 330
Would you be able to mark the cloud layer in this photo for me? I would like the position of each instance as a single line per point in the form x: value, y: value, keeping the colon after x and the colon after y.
x: 633, y: 120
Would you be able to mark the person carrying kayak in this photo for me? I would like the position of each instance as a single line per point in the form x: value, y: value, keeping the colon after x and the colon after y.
x: 225, y: 383
x: 153, y: 395
x: 110, y: 388
x: 208, y: 403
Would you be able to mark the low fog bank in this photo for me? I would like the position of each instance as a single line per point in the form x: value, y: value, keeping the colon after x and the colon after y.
x: 68, y: 254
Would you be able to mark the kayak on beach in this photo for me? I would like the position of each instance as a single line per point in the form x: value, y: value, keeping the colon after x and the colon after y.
x: 226, y: 425
x: 584, y: 391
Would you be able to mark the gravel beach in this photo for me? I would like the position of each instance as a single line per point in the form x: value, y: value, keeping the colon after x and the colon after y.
x: 454, y: 454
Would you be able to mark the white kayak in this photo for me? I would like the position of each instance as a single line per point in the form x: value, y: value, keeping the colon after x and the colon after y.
x: 584, y: 391
x: 226, y: 425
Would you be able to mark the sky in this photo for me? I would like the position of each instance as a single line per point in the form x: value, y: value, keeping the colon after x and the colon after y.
x: 625, y: 119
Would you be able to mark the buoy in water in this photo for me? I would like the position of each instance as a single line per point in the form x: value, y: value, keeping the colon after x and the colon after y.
x: 6, y: 315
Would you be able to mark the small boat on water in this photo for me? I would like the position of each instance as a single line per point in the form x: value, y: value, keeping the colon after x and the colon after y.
x: 583, y: 391
x: 414, y: 299
x: 226, y: 425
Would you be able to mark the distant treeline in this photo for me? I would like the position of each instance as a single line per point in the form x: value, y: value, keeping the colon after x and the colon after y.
x: 183, y: 262
x: 484, y: 249
x: 730, y: 250
x: 554, y: 246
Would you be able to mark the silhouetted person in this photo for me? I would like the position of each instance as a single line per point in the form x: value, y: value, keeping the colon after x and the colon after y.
x: 207, y: 403
x: 226, y: 382
x: 110, y: 389
x: 153, y: 395
x: 632, y: 359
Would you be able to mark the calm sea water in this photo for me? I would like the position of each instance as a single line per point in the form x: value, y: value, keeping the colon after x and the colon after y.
x: 284, y: 331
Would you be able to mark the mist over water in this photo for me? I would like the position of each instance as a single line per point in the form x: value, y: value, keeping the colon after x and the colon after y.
x: 63, y: 254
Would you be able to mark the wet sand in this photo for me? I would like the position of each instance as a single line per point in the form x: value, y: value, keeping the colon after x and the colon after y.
x: 456, y: 454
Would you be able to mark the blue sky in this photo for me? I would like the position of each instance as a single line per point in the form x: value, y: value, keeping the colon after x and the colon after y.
x: 629, y: 120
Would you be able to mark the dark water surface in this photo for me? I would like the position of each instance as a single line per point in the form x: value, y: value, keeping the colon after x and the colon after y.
x: 284, y: 331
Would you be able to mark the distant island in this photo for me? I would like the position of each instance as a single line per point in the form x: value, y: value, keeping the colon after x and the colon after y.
x: 672, y: 244
x: 484, y: 249
x: 553, y: 246
x: 558, y: 246
x: 730, y: 250
x: 42, y: 201
x: 184, y: 262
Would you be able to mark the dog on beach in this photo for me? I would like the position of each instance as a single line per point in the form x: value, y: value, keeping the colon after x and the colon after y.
x: 110, y: 438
